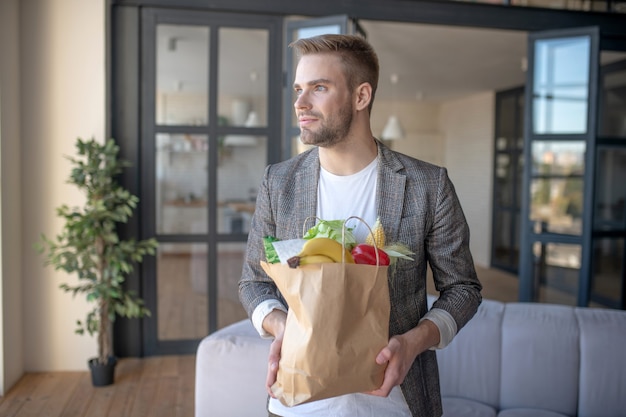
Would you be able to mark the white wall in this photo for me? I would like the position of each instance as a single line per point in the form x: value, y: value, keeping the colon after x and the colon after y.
x: 63, y: 97
x: 420, y: 121
x: 468, y: 127
x: 457, y: 134
x: 11, y: 321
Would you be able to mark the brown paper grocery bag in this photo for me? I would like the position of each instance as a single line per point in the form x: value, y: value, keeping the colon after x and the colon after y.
x: 338, y: 321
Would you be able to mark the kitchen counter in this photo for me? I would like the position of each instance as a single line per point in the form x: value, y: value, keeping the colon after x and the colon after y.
x: 242, y: 207
x: 181, y: 202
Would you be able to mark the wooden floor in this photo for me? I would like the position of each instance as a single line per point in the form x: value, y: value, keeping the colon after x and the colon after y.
x: 148, y: 387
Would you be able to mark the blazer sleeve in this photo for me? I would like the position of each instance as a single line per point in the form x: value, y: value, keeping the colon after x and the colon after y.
x: 255, y: 286
x: 447, y: 246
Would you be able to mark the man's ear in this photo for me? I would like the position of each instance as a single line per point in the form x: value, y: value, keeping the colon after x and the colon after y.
x: 363, y: 96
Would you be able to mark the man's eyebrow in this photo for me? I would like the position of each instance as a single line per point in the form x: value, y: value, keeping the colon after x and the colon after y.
x: 315, y: 82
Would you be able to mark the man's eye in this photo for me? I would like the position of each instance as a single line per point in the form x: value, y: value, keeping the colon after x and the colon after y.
x: 320, y: 88
x: 298, y: 91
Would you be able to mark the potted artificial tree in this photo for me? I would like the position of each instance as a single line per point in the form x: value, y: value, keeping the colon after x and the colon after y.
x: 90, y: 247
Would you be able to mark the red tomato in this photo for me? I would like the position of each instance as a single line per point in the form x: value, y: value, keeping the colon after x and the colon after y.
x: 366, y: 254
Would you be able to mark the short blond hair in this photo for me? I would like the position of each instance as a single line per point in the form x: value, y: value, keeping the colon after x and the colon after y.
x: 359, y: 59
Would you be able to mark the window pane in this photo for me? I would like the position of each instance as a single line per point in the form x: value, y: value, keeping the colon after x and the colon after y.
x: 507, y: 122
x: 558, y: 158
x: 182, y: 291
x: 318, y: 30
x: 243, y: 78
x: 229, y: 265
x: 520, y: 175
x: 502, y: 238
x: 501, y: 143
x: 182, y: 74
x: 608, y: 262
x: 242, y: 162
x: 610, y: 196
x: 557, y: 205
x: 297, y: 147
x: 516, y: 240
x: 561, y: 85
x: 613, y: 104
x: 504, y: 180
x: 181, y: 184
x: 520, y: 121
x: 557, y: 271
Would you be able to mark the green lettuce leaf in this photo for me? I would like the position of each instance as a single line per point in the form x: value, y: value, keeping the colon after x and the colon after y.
x: 270, y: 251
x: 332, y: 230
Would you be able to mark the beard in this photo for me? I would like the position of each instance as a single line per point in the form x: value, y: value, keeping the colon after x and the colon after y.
x: 332, y: 130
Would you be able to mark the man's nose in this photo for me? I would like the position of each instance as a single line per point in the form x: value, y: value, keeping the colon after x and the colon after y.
x: 301, y: 101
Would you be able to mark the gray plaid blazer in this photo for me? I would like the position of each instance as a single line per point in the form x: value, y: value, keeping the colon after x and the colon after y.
x: 417, y: 205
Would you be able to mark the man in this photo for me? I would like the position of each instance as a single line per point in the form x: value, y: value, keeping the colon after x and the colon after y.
x: 348, y: 172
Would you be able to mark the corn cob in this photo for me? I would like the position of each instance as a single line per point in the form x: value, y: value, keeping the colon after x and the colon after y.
x: 377, y: 235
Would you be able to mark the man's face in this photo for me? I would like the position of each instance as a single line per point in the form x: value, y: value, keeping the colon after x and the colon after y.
x: 324, y: 103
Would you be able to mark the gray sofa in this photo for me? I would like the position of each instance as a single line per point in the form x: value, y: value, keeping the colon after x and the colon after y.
x: 511, y: 360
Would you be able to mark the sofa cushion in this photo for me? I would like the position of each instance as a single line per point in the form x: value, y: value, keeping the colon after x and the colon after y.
x: 462, y: 407
x: 540, y: 358
x: 602, y: 364
x: 529, y: 412
x: 469, y: 367
x: 231, y: 365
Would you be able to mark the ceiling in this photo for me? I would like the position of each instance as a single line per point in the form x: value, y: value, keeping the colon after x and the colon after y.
x: 444, y: 62
x: 431, y: 62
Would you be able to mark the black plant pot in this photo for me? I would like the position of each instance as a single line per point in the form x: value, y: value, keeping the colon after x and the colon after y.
x: 102, y: 375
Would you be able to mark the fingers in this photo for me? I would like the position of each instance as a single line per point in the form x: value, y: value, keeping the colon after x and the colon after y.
x: 395, y: 372
x: 388, y: 352
x: 272, y: 371
x: 272, y: 366
x: 384, y: 356
x: 390, y: 380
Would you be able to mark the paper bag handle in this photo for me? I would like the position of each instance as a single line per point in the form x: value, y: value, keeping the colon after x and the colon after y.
x: 343, y: 238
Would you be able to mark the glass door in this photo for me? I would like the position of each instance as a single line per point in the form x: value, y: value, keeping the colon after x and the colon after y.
x: 608, y: 281
x: 560, y: 133
x: 207, y: 83
x: 507, y: 185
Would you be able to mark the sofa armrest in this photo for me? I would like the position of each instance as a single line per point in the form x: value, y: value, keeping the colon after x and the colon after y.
x: 231, y: 366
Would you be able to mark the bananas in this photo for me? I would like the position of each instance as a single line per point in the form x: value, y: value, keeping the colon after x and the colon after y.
x: 315, y: 259
x: 327, y: 247
x: 320, y: 250
x: 296, y: 261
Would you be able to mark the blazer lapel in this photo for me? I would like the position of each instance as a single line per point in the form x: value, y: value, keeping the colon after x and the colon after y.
x: 306, y: 194
x: 390, y: 191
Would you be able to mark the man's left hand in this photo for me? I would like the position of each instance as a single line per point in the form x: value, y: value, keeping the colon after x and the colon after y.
x: 400, y: 353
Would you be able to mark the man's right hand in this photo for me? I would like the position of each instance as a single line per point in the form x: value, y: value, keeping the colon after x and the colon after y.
x: 274, y: 324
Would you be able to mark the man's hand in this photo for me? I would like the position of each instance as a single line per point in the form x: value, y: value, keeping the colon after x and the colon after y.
x: 400, y: 353
x: 274, y: 324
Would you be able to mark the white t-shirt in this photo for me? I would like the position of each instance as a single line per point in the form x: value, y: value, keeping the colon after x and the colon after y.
x: 342, y: 196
